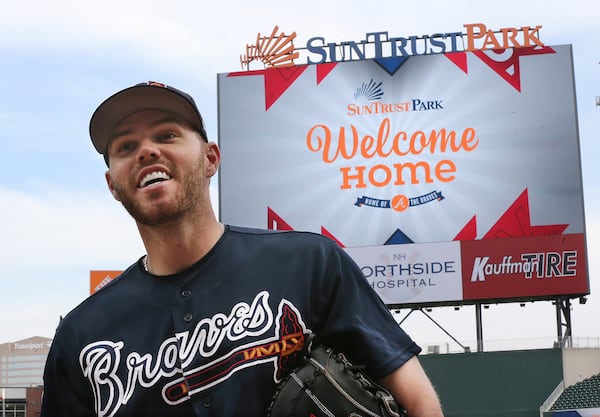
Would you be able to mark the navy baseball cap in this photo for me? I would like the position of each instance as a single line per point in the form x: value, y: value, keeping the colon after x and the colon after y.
x: 144, y: 96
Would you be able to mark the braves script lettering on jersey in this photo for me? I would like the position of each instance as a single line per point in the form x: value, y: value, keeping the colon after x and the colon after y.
x: 215, y: 339
x: 100, y: 360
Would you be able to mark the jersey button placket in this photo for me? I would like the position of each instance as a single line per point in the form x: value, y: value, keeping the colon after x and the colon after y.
x: 187, y: 317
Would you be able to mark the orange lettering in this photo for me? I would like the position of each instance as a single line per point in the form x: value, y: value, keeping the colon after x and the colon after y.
x: 469, y: 135
x: 437, y: 141
x: 319, y: 139
x: 366, y: 146
x: 474, y: 31
x: 490, y: 41
x: 387, y: 175
x: 400, y: 136
x: 445, y: 166
x: 359, y: 177
x: 478, y: 31
x: 382, y: 137
x: 412, y: 168
x: 509, y: 36
x: 530, y: 37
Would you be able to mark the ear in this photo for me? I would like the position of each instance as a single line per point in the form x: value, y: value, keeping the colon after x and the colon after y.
x: 213, y: 158
x: 114, y: 192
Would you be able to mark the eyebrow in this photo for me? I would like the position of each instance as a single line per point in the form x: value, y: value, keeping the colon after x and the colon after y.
x: 157, y: 122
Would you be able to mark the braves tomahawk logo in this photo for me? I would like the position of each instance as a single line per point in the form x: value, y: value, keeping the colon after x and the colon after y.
x: 100, y: 360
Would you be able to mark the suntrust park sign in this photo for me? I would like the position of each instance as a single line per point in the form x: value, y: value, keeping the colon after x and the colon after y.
x: 278, y: 49
x: 446, y: 164
x: 382, y: 45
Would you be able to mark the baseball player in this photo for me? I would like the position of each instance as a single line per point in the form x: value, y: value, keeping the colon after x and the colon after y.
x: 205, y: 323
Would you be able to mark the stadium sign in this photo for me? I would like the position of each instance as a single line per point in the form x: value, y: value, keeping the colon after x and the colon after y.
x: 278, y: 49
x: 450, y: 178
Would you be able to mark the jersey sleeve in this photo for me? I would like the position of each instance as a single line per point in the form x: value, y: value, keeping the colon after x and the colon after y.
x: 356, y: 321
x: 66, y: 391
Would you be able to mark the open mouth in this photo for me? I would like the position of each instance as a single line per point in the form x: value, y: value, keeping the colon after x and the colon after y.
x: 153, y: 178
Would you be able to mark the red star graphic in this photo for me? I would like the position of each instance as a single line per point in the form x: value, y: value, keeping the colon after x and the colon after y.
x: 504, y: 62
x: 515, y: 222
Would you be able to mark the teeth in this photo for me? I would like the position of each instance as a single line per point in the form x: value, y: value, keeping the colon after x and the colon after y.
x: 153, y: 177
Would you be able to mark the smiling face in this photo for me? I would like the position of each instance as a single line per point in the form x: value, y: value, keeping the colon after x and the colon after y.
x: 160, y: 167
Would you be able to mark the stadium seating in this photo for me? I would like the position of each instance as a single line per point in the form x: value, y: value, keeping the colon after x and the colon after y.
x: 582, y: 395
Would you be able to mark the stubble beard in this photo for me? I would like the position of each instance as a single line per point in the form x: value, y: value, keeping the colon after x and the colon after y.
x: 188, y: 197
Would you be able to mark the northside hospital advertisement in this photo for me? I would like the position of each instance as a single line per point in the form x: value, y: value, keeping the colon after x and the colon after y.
x: 448, y: 178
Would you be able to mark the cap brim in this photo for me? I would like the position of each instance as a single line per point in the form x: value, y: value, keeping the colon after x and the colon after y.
x: 134, y: 99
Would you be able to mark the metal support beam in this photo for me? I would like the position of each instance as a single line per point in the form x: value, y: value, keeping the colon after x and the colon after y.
x: 464, y: 348
x: 479, y: 327
x: 563, y: 321
x: 444, y: 330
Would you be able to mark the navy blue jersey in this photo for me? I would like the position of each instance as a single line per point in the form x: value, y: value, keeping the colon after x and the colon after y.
x: 215, y: 339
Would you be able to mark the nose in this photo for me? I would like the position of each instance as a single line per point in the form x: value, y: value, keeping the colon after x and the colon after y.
x: 148, y: 151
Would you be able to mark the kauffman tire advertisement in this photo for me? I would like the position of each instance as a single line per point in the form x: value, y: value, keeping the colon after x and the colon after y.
x: 405, y: 162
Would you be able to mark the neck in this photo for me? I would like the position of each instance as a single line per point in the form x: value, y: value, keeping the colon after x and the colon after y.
x: 172, y: 248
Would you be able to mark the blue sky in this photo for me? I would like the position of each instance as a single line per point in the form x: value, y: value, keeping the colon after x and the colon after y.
x: 60, y: 59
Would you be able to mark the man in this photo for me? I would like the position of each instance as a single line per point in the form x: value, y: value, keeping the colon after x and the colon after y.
x: 205, y: 322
